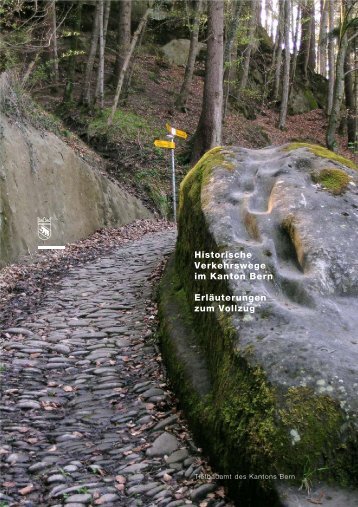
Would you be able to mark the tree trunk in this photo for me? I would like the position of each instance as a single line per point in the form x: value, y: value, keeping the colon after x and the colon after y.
x: 130, y: 70
x: 86, y: 93
x: 252, y: 26
x: 101, y: 54
x: 337, y: 94
x: 278, y: 47
x: 71, y: 71
x: 230, y: 52
x: 208, y: 133
x: 107, y: 10
x: 126, y: 62
x: 312, y: 48
x: 181, y: 101
x: 350, y: 102
x: 53, y: 39
x: 306, y: 56
x: 123, y: 36
x: 322, y: 42
x: 100, y: 73
x: 331, y: 70
x: 286, y: 73
x: 295, y: 43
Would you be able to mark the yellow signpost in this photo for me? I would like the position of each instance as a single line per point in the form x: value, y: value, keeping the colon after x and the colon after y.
x: 176, y: 132
x: 160, y: 143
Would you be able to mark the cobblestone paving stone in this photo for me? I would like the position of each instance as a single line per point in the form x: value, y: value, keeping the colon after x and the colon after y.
x: 87, y: 417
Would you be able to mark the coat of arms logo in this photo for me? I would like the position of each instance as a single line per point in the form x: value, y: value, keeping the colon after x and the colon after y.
x: 44, y: 228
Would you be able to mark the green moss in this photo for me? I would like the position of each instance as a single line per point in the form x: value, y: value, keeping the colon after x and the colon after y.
x: 320, y: 151
x: 334, y: 180
x: 199, y: 174
x: 125, y: 124
x: 311, y: 99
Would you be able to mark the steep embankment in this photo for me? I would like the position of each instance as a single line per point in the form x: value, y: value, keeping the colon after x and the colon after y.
x: 268, y: 376
x: 41, y: 176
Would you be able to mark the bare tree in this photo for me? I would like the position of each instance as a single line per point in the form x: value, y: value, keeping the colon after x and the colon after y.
x: 126, y: 62
x: 101, y: 53
x: 230, y: 51
x: 312, y: 46
x: 338, y: 92
x: 123, y: 36
x: 350, y: 99
x: 208, y: 133
x: 182, y: 98
x: 286, y: 73
x: 71, y: 70
x: 251, y: 41
x: 331, y: 57
x: 102, y: 47
x: 295, y: 42
x: 322, y: 41
x: 86, y: 92
x: 52, y: 22
x: 306, y: 56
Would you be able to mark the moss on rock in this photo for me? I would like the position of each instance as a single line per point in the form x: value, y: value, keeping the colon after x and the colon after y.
x: 334, y: 180
x: 320, y: 151
x: 246, y: 424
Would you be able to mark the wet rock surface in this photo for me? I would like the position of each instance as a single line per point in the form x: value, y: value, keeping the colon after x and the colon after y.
x: 87, y: 416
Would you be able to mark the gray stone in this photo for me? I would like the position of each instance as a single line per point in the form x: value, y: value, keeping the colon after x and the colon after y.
x: 177, y: 50
x: 166, y: 443
x: 79, y: 498
x: 201, y: 491
x: 177, y: 456
x: 63, y: 349
x: 107, y: 498
x: 152, y: 392
x: 30, y: 404
x: 56, y: 478
x: 141, y: 488
x: 136, y: 467
x: 165, y: 422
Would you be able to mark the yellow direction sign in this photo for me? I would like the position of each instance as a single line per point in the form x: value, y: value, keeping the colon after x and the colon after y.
x: 176, y: 132
x: 164, y: 144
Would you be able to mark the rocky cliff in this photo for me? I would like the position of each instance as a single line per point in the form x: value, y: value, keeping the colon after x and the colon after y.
x: 265, y: 273
x: 41, y: 176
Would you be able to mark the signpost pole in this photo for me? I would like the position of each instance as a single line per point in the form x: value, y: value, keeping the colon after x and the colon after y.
x: 170, y: 136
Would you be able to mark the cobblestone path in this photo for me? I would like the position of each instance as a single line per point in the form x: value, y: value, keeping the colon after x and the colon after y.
x: 87, y: 417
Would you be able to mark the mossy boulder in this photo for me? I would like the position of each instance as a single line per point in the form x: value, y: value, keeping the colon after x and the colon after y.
x: 281, y: 400
x: 302, y: 100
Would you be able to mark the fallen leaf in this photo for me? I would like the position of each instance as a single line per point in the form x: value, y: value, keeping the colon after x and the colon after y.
x: 120, y: 479
x: 26, y: 490
x: 68, y: 389
x: 8, y: 484
x: 167, y: 477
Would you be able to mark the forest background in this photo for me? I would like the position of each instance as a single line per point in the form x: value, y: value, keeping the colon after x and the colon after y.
x: 110, y: 74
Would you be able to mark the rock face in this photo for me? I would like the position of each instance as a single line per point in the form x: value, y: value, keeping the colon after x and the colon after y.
x: 41, y: 176
x: 283, y: 374
x: 177, y: 50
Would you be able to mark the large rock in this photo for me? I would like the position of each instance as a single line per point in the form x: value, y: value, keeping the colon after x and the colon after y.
x: 283, y: 368
x: 177, y: 50
x: 41, y: 176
